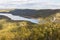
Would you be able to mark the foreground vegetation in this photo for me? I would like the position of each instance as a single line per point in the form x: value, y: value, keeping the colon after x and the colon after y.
x: 28, y: 31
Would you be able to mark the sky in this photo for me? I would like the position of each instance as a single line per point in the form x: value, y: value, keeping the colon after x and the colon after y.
x: 29, y: 4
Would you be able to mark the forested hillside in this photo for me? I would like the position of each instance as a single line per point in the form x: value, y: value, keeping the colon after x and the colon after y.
x: 30, y: 13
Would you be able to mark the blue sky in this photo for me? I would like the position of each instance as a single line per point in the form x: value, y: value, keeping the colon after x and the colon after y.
x: 30, y: 4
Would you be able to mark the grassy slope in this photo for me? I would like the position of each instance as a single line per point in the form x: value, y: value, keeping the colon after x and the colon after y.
x: 28, y: 31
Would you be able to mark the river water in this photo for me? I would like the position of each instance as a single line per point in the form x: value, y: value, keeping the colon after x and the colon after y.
x: 15, y: 17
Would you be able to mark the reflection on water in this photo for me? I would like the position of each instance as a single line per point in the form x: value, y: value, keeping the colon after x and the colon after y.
x: 14, y: 17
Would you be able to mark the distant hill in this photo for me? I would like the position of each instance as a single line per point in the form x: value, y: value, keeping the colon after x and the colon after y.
x: 30, y: 13
x: 5, y: 10
x: 34, y: 13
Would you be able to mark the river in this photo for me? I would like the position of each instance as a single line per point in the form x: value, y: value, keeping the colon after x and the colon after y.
x: 15, y: 17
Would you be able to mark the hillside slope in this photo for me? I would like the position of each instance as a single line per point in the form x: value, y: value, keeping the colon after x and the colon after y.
x: 30, y: 13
